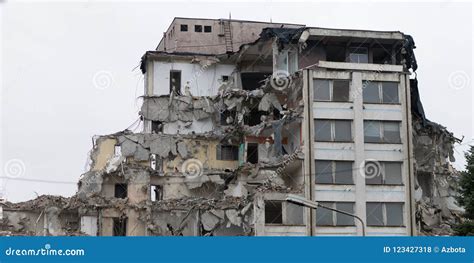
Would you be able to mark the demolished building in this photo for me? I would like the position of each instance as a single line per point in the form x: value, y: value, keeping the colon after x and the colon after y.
x: 250, y: 113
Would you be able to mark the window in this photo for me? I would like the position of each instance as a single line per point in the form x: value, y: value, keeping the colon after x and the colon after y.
x: 380, y: 92
x: 358, y: 55
x: 156, y: 192
x: 207, y: 29
x: 225, y: 78
x: 389, y: 173
x: 252, y: 153
x: 331, y: 90
x: 156, y: 126
x: 120, y: 191
x: 333, y: 130
x: 120, y: 226
x: 227, y: 152
x: 175, y: 82
x: 336, y: 53
x: 382, y: 131
x: 384, y: 214
x: 184, y: 28
x: 197, y: 28
x: 280, y: 212
x: 334, y: 172
x: 326, y: 217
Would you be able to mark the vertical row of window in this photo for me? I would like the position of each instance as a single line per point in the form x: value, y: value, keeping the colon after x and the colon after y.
x: 197, y: 28
x: 372, y: 91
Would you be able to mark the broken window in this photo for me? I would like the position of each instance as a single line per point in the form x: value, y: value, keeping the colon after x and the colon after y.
x: 227, y: 152
x: 327, y: 217
x: 389, y: 173
x: 207, y: 29
x: 358, y: 55
x: 197, y: 28
x: 280, y: 212
x: 120, y: 191
x: 175, y: 82
x: 333, y: 130
x: 336, y: 53
x: 273, y: 212
x: 380, y: 92
x: 156, y: 126
x: 331, y: 90
x: 156, y: 193
x: 382, y: 131
x: 334, y: 172
x: 253, y: 80
x: 252, y: 153
x: 120, y: 226
x: 384, y: 214
x: 227, y: 117
x: 184, y: 28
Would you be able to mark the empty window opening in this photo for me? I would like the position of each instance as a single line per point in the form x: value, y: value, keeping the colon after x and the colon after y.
x: 380, y: 92
x: 388, y: 173
x: 156, y: 193
x: 120, y: 190
x: 252, y: 153
x: 175, y: 82
x: 327, y: 217
x: 333, y: 130
x: 253, y: 80
x: 254, y: 117
x: 225, y: 78
x: 381, y: 55
x: 227, y: 152
x: 384, y: 214
x: 336, y: 53
x: 207, y: 29
x: 184, y: 28
x: 273, y: 212
x: 197, y: 28
x: 331, y: 90
x: 358, y: 55
x: 227, y: 117
x: 156, y: 126
x: 334, y: 172
x: 120, y: 226
x: 382, y: 131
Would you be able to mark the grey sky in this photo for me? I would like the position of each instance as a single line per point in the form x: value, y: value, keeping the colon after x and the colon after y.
x: 51, y: 52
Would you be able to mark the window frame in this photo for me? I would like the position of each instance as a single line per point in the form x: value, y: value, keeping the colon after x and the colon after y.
x: 380, y: 92
x: 383, y: 173
x: 220, y: 157
x: 352, y: 51
x: 334, y: 214
x: 333, y: 172
x: 384, y: 214
x: 284, y: 214
x: 205, y: 29
x: 198, y: 28
x: 331, y: 90
x: 381, y: 131
x: 332, y: 123
x: 183, y: 26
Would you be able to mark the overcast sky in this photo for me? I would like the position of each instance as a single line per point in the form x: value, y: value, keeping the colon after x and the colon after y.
x: 69, y: 72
